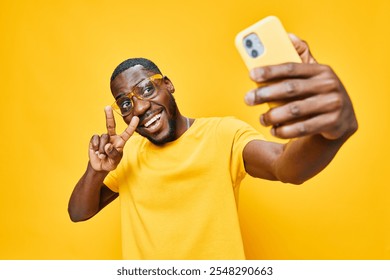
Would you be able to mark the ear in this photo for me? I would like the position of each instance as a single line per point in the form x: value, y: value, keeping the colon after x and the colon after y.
x: 169, y: 84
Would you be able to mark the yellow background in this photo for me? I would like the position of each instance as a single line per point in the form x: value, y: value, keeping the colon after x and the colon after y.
x: 56, y: 58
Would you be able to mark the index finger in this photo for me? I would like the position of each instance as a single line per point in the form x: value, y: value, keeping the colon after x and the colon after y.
x: 271, y: 73
x: 110, y: 121
x: 125, y: 135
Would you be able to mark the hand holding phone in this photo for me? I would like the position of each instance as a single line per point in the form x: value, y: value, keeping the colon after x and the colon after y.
x: 305, y: 98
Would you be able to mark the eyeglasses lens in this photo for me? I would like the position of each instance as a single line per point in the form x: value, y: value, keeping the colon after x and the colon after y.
x: 145, y: 90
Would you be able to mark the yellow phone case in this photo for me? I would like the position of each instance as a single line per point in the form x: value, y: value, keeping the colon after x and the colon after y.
x: 278, y: 47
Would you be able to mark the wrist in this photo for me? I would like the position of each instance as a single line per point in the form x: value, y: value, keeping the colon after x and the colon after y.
x: 96, y: 173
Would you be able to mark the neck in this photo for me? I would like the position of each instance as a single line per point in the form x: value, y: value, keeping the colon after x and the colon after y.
x: 183, y: 125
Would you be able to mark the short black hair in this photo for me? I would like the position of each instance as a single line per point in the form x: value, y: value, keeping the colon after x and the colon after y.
x: 128, y: 63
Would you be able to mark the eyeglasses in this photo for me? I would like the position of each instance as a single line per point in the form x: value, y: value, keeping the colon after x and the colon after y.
x: 144, y: 90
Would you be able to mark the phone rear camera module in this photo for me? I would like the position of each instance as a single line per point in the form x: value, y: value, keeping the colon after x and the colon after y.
x: 254, y: 53
x: 248, y: 43
x: 253, y: 45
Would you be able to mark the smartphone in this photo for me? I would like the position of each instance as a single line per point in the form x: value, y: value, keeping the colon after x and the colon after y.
x: 266, y: 43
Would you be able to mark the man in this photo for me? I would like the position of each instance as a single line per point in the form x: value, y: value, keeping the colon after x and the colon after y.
x: 178, y: 178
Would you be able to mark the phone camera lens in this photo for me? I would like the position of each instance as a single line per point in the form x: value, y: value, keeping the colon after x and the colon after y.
x: 249, y: 43
x: 254, y: 53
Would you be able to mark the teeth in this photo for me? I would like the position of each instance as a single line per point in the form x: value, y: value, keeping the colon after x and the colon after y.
x: 152, y: 120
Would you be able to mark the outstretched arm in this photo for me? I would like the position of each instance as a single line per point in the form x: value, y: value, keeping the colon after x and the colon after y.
x: 314, y: 111
x: 90, y: 195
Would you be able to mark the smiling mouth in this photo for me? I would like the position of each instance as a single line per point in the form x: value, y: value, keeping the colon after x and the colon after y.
x: 152, y: 120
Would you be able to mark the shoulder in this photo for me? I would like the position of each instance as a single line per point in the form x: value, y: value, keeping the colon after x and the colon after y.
x: 226, y: 127
x: 135, y: 143
x: 232, y: 124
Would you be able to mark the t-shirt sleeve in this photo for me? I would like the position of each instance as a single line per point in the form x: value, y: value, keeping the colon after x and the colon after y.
x: 111, y: 181
x: 242, y: 134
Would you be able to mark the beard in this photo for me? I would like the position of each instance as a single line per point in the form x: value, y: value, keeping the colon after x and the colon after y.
x: 170, y: 135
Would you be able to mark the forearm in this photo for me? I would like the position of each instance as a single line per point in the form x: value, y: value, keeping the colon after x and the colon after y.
x: 85, y: 199
x: 305, y: 157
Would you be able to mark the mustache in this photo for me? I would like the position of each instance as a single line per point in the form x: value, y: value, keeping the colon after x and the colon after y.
x: 148, y: 114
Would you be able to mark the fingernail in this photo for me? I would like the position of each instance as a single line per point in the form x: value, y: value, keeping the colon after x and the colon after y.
x: 293, y: 36
x: 250, y: 98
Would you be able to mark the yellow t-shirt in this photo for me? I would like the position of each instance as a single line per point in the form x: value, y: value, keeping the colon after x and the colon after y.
x: 178, y: 200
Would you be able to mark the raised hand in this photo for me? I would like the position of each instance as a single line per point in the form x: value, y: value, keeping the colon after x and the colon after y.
x: 105, y: 151
x: 312, y: 98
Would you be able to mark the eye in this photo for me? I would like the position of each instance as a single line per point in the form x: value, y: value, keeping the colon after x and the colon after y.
x: 125, y: 104
x: 148, y: 90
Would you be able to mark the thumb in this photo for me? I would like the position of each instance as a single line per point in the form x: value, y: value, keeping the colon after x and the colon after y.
x: 302, y: 48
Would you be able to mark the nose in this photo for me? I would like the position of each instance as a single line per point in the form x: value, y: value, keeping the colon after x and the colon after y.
x: 140, y: 106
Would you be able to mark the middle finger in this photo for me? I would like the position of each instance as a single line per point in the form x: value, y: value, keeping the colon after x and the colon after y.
x: 292, y: 111
x: 287, y: 90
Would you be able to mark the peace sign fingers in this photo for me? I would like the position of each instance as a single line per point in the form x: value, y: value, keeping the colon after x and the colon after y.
x: 125, y: 135
x: 106, y: 150
x: 110, y: 121
x: 119, y: 141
